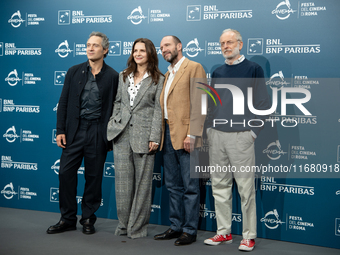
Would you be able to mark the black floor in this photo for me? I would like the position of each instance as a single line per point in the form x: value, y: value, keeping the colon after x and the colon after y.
x: 24, y: 232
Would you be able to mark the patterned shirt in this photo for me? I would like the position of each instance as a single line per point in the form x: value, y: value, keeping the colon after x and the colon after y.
x: 132, y: 89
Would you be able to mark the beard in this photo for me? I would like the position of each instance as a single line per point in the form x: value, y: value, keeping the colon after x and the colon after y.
x: 235, y: 52
x: 172, y: 57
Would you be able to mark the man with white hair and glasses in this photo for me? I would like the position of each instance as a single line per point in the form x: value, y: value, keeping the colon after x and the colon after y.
x: 232, y: 145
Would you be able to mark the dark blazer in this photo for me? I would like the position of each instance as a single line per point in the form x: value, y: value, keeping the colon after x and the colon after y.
x: 68, y: 113
x: 144, y: 117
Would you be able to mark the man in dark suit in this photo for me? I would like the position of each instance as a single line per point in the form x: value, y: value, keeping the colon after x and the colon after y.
x: 181, y: 133
x: 85, y: 106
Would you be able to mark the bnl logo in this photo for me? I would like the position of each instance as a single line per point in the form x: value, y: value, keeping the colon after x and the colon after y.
x: 238, y: 99
x: 59, y: 77
x: 337, y: 226
x: 64, y: 17
x: 255, y: 46
x: 1, y: 48
x: 115, y: 48
x: 109, y: 169
x: 54, y: 194
x: 193, y: 13
x: 54, y: 136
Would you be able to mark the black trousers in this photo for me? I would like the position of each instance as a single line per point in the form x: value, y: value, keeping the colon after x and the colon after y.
x: 89, y: 144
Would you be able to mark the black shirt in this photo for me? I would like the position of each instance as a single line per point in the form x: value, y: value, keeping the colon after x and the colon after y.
x: 91, y: 101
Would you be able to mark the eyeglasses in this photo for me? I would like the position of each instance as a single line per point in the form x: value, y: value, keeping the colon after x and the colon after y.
x: 229, y: 43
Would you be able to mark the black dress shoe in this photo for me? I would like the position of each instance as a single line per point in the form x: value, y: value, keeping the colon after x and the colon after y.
x: 88, y: 229
x: 185, y: 239
x: 60, y: 227
x: 167, y: 235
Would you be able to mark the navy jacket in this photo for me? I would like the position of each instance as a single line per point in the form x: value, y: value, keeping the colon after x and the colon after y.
x: 68, y: 113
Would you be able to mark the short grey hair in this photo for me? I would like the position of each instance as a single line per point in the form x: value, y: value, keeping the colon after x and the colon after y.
x: 105, y: 40
x: 237, y: 33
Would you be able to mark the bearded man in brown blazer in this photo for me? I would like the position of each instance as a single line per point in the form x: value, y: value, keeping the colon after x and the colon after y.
x: 181, y: 133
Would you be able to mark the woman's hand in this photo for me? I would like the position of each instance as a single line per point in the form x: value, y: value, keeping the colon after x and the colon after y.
x: 153, y: 146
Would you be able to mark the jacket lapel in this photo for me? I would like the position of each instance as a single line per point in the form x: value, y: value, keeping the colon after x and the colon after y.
x: 125, y: 92
x: 98, y: 77
x: 146, y: 83
x: 178, y: 75
x: 83, y: 80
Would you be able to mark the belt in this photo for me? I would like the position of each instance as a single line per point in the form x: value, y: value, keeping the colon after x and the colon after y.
x: 167, y: 121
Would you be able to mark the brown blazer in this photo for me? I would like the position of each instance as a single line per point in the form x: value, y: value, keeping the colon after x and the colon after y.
x: 182, y: 120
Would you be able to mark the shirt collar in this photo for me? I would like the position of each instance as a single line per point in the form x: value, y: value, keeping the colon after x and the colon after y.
x: 176, y: 67
x: 131, y: 75
x: 237, y: 61
x: 89, y: 68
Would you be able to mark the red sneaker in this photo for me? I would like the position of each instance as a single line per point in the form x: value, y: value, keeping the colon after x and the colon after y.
x: 247, y: 245
x: 219, y: 239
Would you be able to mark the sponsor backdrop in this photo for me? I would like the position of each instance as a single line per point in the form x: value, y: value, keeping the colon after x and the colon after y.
x: 296, y: 43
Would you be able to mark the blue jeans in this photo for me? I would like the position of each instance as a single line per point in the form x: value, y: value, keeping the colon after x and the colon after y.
x: 184, y: 191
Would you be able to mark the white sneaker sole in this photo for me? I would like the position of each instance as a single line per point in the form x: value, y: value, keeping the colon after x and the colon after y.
x: 209, y: 242
x: 245, y: 248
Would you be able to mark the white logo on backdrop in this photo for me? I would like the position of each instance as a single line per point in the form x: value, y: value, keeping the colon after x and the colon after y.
x: 193, y: 48
x: 270, y: 221
x: 255, y: 46
x: 337, y: 226
x: 16, y: 19
x: 281, y: 12
x: 274, y: 151
x: 64, y: 17
x: 8, y: 191
x: 56, y: 166
x: 109, y: 169
x: 13, y: 78
x: 63, y: 49
x: 136, y: 16
x: 54, y: 136
x: 277, y: 80
x: 59, y: 77
x: 54, y: 195
x: 115, y: 48
x: 193, y: 13
x: 11, y: 135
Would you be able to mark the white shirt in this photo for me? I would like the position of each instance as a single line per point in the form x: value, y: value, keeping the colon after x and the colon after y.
x: 132, y: 89
x: 172, y: 71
